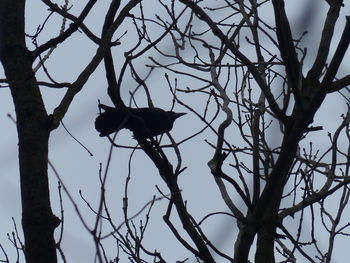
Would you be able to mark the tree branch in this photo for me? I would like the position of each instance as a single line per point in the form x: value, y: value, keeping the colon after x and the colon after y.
x: 113, y: 92
x: 77, y: 85
x: 325, y: 41
x: 234, y: 49
x: 72, y: 28
x: 324, y: 192
x: 339, y: 84
x: 338, y: 57
x: 166, y: 172
x: 286, y: 47
x: 54, y: 7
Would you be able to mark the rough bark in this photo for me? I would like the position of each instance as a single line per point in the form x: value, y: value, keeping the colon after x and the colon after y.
x: 38, y: 220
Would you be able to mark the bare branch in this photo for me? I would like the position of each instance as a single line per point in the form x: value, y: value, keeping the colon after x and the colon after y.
x: 287, y: 49
x: 338, y: 57
x: 234, y: 49
x: 339, y: 84
x: 325, y: 41
x: 72, y: 28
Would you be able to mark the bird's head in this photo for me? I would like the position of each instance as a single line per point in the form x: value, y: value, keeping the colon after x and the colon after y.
x: 176, y: 115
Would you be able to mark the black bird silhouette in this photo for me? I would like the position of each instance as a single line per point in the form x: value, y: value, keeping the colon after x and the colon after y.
x: 146, y: 122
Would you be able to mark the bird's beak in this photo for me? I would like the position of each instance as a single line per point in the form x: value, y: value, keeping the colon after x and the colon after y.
x: 177, y: 115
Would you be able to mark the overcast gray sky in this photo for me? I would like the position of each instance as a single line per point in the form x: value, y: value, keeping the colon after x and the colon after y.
x: 79, y: 171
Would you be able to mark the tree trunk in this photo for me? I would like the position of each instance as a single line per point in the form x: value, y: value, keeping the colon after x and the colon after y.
x: 265, y: 243
x: 38, y: 220
x: 244, y: 242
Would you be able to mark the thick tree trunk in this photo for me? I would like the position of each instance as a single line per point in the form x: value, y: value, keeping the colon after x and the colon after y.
x: 265, y: 243
x: 244, y: 242
x: 38, y: 220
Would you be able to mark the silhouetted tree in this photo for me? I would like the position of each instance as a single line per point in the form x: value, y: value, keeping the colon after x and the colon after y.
x: 250, y: 83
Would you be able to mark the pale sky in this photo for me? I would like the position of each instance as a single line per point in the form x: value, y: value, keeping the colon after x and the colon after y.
x: 79, y: 171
